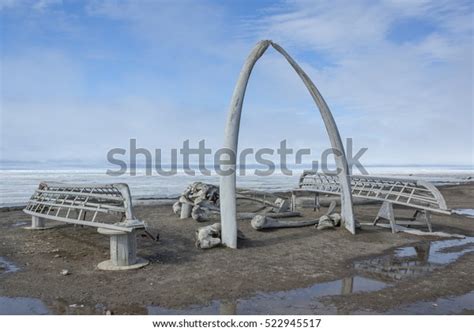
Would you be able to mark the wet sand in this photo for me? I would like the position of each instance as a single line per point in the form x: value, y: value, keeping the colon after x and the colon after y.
x: 297, y: 271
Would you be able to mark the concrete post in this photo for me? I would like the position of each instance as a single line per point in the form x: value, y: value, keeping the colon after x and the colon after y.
x: 123, y: 250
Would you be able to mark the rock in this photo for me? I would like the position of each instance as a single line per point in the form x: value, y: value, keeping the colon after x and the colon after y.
x: 65, y: 272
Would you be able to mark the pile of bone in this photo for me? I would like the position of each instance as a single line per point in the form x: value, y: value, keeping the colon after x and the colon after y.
x: 328, y: 221
x: 210, y: 236
x: 199, y: 201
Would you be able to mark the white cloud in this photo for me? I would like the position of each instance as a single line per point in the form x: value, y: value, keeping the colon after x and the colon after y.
x: 408, y: 102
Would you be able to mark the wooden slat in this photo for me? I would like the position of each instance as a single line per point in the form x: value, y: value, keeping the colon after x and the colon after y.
x: 398, y: 191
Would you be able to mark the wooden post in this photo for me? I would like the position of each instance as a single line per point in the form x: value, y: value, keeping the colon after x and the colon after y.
x: 386, y: 212
x: 427, y: 216
x: 123, y: 251
x: 37, y: 223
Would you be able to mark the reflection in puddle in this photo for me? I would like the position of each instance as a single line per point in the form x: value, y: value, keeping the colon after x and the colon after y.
x: 22, y: 306
x: 7, y: 266
x: 418, y: 259
x: 400, y: 263
x: 468, y: 212
x: 299, y: 301
x: 442, y: 306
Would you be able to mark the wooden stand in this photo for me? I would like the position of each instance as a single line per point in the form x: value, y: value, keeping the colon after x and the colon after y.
x: 123, y: 249
x: 386, y: 212
x: 37, y: 223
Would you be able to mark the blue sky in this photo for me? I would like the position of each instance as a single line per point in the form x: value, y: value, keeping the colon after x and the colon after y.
x: 81, y: 77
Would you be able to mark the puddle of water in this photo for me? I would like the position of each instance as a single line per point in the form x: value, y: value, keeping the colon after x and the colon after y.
x: 442, y: 306
x: 468, y: 212
x: 22, y: 306
x: 298, y: 301
x: 7, y: 266
x: 418, y: 259
x: 401, y: 262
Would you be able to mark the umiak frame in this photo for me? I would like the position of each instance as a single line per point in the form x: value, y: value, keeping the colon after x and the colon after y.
x: 420, y: 195
x: 87, y: 205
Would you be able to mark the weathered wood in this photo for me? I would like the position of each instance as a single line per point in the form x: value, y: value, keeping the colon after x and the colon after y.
x: 386, y: 212
x: 412, y: 193
x: 123, y: 251
x: 84, y: 205
x: 37, y: 222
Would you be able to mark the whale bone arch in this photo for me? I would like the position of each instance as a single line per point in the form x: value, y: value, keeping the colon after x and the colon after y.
x: 228, y: 181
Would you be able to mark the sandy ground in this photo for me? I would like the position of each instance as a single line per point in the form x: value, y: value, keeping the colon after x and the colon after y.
x: 181, y: 275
